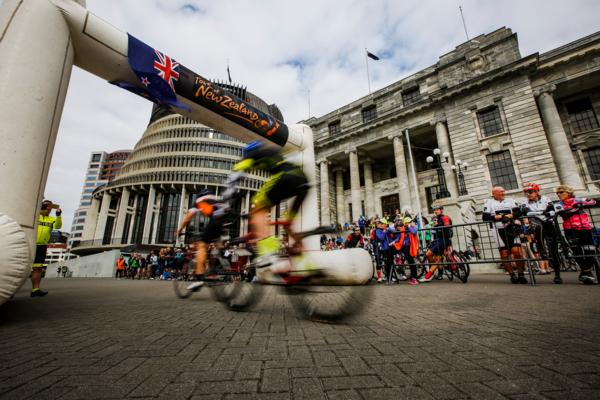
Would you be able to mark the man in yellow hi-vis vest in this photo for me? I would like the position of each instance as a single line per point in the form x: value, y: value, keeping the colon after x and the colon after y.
x: 46, y: 224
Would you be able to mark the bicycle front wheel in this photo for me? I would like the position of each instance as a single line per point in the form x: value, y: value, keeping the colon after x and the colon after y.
x: 329, y: 303
x: 180, y: 286
x: 460, y: 266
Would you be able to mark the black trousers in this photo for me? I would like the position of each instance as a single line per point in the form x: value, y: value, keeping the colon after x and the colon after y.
x: 582, y: 245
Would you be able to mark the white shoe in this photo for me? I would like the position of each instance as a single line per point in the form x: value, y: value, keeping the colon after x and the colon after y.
x: 402, y: 277
x: 195, y: 286
x: 424, y: 279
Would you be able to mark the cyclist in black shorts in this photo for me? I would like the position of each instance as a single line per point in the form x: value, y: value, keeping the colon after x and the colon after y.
x: 502, y: 213
x: 209, y: 205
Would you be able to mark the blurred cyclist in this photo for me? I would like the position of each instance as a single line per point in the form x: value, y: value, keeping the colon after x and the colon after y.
x: 287, y: 180
x: 209, y: 205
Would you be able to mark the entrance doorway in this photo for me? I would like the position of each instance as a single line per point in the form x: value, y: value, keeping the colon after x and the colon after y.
x: 389, y: 204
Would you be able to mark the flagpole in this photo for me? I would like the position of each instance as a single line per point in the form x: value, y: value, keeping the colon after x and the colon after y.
x: 308, y: 103
x: 414, y: 182
x: 463, y: 21
x: 368, y: 74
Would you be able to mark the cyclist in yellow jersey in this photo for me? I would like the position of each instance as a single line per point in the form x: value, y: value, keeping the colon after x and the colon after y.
x: 46, y: 224
x: 287, y: 181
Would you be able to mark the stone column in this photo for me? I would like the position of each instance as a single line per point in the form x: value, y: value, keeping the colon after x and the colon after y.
x: 157, y: 221
x: 566, y: 165
x: 355, y: 185
x: 339, y: 196
x: 148, y: 218
x: 325, y: 211
x: 101, y: 225
x: 122, y: 214
x: 182, y: 207
x: 401, y: 173
x: 91, y: 220
x: 369, y: 195
x: 443, y: 140
x: 129, y: 233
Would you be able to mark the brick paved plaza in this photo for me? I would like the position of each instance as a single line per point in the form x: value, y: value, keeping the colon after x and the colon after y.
x: 487, y: 339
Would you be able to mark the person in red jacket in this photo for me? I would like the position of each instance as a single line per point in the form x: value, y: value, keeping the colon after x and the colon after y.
x: 407, y: 243
x: 355, y: 239
x: 578, y: 231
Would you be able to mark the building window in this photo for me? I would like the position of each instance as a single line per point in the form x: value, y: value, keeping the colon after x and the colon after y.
x: 502, y: 170
x: 592, y: 159
x: 168, y: 220
x: 411, y: 96
x: 490, y: 122
x: 96, y: 157
x: 334, y: 128
x: 581, y: 115
x: 369, y: 114
x: 432, y: 193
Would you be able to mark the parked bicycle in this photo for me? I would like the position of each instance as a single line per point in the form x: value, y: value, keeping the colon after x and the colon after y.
x: 453, y: 264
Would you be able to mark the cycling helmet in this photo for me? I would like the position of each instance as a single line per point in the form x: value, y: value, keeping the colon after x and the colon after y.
x: 437, y: 207
x: 531, y: 186
x: 256, y: 150
x: 204, y: 192
x: 407, y: 220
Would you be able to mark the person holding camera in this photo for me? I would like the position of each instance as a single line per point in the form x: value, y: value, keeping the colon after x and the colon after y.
x: 503, y: 212
x: 46, y: 224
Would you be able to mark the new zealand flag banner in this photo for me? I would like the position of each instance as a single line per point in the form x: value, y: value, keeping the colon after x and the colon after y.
x: 210, y: 95
x: 157, y: 73
x: 163, y: 79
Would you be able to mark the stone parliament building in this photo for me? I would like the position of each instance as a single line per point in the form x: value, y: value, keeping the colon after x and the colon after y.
x: 513, y: 119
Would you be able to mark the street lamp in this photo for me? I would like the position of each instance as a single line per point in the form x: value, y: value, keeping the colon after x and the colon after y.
x: 443, y: 192
x: 458, y: 168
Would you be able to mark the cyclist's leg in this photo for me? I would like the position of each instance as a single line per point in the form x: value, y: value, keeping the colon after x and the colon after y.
x: 586, y: 251
x: 201, y: 253
x: 212, y: 231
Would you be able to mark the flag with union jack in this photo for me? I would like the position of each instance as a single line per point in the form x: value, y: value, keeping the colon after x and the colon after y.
x: 157, y: 73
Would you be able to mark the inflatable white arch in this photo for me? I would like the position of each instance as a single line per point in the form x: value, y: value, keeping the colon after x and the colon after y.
x: 40, y: 41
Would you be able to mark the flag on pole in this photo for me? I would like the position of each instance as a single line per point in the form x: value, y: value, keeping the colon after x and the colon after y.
x: 372, y: 56
x: 228, y: 73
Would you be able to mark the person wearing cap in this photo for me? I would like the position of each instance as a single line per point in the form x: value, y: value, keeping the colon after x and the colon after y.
x: 407, y: 243
x: 538, y: 205
x: 502, y: 213
x: 208, y: 205
x: 380, y: 243
x: 442, y: 230
x: 578, y: 231
x: 46, y: 224
x: 354, y: 239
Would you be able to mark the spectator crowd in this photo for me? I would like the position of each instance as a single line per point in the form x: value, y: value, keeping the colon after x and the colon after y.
x: 407, y: 239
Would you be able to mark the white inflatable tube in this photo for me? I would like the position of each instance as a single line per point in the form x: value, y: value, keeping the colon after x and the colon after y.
x: 340, y: 267
x: 37, y: 59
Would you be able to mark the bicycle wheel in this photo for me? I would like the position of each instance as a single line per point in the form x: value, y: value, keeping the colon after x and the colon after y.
x: 461, y: 267
x: 328, y: 303
x: 180, y: 286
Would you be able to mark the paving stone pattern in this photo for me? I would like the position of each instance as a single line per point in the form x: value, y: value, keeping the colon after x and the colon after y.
x: 109, y: 339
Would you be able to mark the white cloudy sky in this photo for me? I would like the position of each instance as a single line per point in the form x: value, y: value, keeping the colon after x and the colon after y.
x: 281, y: 49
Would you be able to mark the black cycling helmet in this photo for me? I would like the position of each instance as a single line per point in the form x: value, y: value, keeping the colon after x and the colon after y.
x: 204, y: 192
x: 257, y: 150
